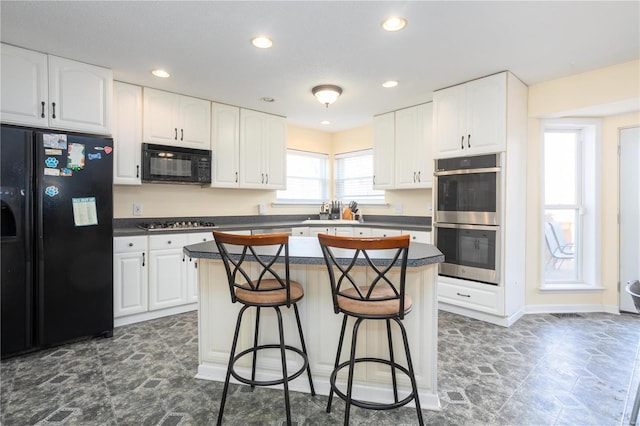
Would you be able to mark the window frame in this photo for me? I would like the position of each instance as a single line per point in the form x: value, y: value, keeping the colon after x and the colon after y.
x: 587, y: 204
x: 324, y: 181
x: 376, y: 198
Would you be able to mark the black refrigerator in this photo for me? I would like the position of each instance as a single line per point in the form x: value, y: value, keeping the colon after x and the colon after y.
x: 56, y: 239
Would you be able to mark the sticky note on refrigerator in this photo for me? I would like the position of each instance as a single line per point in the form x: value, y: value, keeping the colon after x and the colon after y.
x: 84, y: 211
x: 75, y: 158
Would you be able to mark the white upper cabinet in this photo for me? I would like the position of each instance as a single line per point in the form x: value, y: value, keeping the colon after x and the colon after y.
x: 225, y: 145
x: 80, y: 96
x: 24, y: 85
x: 51, y: 92
x: 127, y: 133
x: 383, y: 150
x: 471, y: 118
x: 402, y: 148
x: 413, y: 147
x: 262, y: 150
x: 177, y: 120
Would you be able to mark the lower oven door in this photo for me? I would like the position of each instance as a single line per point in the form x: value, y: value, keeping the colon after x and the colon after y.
x: 471, y: 252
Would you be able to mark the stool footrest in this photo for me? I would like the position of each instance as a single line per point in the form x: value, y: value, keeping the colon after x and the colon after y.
x: 237, y: 376
x: 367, y: 404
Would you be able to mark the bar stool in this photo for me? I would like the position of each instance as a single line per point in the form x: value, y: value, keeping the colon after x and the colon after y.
x: 378, y: 298
x: 269, y: 290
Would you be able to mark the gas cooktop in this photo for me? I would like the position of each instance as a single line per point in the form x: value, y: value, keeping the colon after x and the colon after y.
x: 177, y: 226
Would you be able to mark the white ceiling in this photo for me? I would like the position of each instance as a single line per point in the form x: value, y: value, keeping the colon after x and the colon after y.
x: 206, y: 47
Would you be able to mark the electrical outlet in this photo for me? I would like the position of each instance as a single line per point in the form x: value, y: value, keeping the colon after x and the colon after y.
x: 399, y: 208
x: 262, y: 209
x: 137, y: 209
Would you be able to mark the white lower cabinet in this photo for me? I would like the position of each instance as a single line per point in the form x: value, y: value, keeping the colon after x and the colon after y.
x: 418, y: 236
x: 344, y: 231
x: 192, y: 265
x: 129, y: 275
x: 152, y: 277
x: 379, y: 232
x: 167, y: 271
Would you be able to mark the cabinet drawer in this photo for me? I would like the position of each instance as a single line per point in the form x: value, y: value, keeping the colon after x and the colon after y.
x: 199, y: 237
x: 482, y: 299
x: 129, y: 244
x: 167, y: 241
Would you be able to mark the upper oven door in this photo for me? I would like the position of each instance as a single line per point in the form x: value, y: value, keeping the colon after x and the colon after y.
x: 468, y: 196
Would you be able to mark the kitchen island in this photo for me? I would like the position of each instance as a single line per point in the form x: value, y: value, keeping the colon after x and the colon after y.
x: 321, y: 326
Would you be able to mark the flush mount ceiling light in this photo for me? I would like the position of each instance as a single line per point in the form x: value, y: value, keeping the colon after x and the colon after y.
x: 160, y: 73
x: 390, y: 83
x: 394, y: 23
x: 262, y: 42
x: 326, y: 93
x: 325, y: 122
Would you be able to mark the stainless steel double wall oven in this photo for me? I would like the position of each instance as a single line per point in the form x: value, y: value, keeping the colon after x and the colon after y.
x: 468, y: 215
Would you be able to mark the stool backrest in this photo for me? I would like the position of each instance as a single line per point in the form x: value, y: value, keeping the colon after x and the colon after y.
x: 633, y: 288
x: 378, y: 254
x: 237, y: 251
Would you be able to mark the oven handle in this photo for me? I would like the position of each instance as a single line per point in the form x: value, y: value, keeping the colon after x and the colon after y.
x: 466, y: 171
x: 466, y: 226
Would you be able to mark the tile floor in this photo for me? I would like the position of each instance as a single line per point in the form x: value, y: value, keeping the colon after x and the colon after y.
x: 544, y: 370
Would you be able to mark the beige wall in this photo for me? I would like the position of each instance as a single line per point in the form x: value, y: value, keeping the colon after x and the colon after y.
x: 165, y: 200
x: 602, y: 93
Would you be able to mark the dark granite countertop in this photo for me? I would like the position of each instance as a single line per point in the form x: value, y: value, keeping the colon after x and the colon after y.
x: 129, y: 227
x: 307, y: 251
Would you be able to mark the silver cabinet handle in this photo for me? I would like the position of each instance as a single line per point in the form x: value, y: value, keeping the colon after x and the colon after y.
x: 463, y: 295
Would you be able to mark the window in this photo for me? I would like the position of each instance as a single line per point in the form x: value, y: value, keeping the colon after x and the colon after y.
x: 307, y: 178
x: 571, y: 205
x: 354, y: 178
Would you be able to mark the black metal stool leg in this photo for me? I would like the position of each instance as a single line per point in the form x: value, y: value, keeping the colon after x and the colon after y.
x: 412, y: 374
x: 335, y: 366
x: 255, y: 345
x: 304, y: 349
x: 284, y: 366
x: 393, y: 365
x: 352, y: 367
x: 230, y: 366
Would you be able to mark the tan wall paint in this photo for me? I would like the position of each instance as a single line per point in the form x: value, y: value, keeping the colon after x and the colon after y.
x: 594, y: 90
x: 607, y: 86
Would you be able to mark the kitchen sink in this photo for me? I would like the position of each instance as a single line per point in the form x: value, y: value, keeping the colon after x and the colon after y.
x: 329, y: 222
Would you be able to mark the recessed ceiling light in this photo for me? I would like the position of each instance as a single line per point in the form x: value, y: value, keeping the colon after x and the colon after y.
x: 267, y: 99
x: 262, y: 42
x: 395, y: 23
x: 390, y: 83
x: 160, y: 73
x: 325, y: 122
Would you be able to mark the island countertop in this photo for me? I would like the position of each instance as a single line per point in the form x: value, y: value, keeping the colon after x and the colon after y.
x: 307, y: 251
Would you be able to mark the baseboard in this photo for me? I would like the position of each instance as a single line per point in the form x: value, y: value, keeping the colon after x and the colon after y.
x: 562, y: 308
x: 146, y: 316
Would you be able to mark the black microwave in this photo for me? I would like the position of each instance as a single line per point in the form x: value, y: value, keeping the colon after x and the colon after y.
x: 171, y: 164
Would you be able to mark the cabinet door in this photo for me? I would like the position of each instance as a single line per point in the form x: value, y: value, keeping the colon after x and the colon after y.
x: 343, y: 231
x: 383, y: 150
x: 275, y: 152
x: 251, y: 134
x: 195, y: 123
x: 127, y: 133
x: 225, y: 145
x: 80, y: 96
x: 448, y: 105
x: 129, y: 283
x: 419, y: 236
x: 486, y: 115
x: 23, y: 84
x: 424, y: 150
x: 160, y: 118
x: 192, y: 265
x: 379, y: 232
x: 167, y: 278
x: 409, y: 146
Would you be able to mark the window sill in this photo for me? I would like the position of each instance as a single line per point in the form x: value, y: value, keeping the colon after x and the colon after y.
x: 569, y: 288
